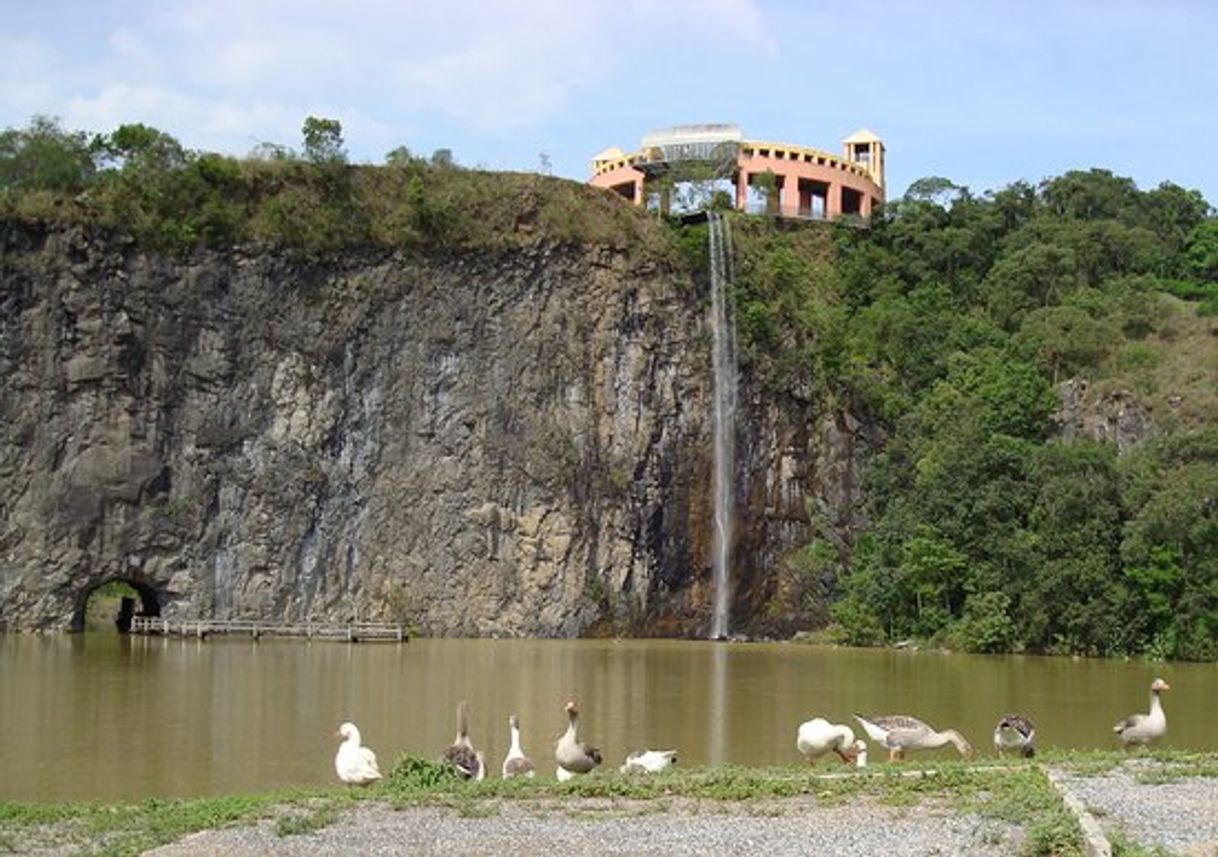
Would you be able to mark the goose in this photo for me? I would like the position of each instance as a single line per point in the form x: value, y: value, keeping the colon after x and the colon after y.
x: 517, y: 764
x: 860, y: 753
x: 573, y: 755
x: 649, y: 761
x: 1144, y: 728
x: 461, y: 755
x: 1015, y: 732
x: 355, y: 765
x: 818, y: 736
x: 900, y: 732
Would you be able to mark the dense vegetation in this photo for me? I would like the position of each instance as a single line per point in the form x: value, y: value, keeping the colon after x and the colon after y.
x: 950, y: 323
x: 145, y: 183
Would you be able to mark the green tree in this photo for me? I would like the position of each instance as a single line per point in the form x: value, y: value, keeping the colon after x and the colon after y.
x: 1065, y: 340
x: 1202, y: 251
x: 43, y: 156
x: 323, y: 140
x: 138, y: 148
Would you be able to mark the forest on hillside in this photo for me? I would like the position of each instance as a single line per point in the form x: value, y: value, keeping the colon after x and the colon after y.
x: 951, y: 323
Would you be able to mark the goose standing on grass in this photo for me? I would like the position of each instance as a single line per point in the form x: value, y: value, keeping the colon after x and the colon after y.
x: 860, y: 753
x: 574, y: 756
x: 649, y: 761
x: 517, y: 764
x: 1138, y: 729
x: 818, y: 736
x: 461, y: 755
x: 1015, y: 732
x: 900, y: 732
x: 355, y: 765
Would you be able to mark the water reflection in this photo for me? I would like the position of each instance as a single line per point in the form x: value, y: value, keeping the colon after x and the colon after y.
x: 716, y: 737
x: 108, y: 717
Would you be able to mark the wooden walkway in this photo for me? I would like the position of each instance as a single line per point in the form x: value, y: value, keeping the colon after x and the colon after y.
x: 353, y: 632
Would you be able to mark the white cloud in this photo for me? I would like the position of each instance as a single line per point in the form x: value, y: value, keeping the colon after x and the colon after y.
x: 219, y: 73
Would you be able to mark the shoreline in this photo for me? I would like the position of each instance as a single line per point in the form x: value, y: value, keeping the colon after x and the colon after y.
x: 956, y: 807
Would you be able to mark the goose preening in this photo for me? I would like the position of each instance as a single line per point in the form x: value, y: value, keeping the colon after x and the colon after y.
x: 573, y: 755
x: 818, y: 736
x: 355, y: 765
x: 517, y: 764
x: 1144, y: 728
x: 1015, y: 732
x: 900, y: 732
x: 461, y: 755
x: 649, y: 761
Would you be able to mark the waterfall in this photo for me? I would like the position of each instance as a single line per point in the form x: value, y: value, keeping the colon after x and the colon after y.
x: 724, y: 364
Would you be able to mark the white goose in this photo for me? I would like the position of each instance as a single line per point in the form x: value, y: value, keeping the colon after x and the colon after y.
x: 355, y: 765
x: 574, y: 756
x: 649, y: 761
x: 1137, y: 729
x: 860, y: 753
x: 818, y: 736
x: 900, y: 732
x: 461, y: 755
x: 517, y: 764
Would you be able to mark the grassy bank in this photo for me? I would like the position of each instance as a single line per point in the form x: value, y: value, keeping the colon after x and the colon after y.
x: 1018, y: 793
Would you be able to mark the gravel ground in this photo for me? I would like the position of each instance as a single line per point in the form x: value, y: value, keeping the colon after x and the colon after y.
x: 791, y: 826
x: 1180, y: 815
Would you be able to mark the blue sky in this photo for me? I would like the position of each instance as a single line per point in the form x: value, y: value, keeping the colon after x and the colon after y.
x: 981, y: 92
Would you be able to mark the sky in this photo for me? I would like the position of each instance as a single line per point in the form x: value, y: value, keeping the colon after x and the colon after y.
x: 982, y: 92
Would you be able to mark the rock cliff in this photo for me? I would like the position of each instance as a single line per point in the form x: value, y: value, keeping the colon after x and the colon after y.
x: 512, y: 444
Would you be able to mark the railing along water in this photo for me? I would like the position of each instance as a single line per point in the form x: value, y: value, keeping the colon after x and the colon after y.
x: 353, y: 632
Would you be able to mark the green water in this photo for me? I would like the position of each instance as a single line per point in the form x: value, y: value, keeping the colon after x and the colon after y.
x: 100, y: 716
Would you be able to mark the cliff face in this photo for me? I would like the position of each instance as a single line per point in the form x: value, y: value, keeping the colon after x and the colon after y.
x: 473, y: 445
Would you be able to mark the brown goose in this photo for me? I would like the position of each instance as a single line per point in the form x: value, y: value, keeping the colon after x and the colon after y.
x: 1015, y: 732
x: 517, y: 764
x: 900, y: 732
x: 573, y: 755
x: 1137, y: 729
x: 461, y: 755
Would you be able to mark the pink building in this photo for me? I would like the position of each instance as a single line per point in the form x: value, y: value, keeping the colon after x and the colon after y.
x: 778, y: 178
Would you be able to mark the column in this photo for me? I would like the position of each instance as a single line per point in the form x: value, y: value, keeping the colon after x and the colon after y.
x: 833, y: 201
x: 790, y: 195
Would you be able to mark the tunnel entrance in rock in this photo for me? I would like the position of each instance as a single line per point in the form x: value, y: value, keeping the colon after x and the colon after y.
x: 111, y: 605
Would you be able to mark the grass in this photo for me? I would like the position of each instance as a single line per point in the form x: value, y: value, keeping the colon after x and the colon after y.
x: 1168, y: 765
x: 1122, y: 846
x: 1018, y: 794
x: 1172, y: 370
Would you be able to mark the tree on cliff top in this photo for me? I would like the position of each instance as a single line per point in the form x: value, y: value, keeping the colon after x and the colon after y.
x: 323, y: 140
x: 44, y: 157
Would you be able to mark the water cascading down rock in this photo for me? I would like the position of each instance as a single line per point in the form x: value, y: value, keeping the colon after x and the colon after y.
x: 724, y: 365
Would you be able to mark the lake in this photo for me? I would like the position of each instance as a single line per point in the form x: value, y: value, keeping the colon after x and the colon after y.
x: 101, y: 716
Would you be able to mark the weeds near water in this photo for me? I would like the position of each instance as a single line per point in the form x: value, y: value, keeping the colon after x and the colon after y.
x: 310, y: 822
x: 1123, y: 846
x: 1017, y: 793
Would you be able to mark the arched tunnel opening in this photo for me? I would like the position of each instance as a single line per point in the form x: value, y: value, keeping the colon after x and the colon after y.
x: 112, y: 604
